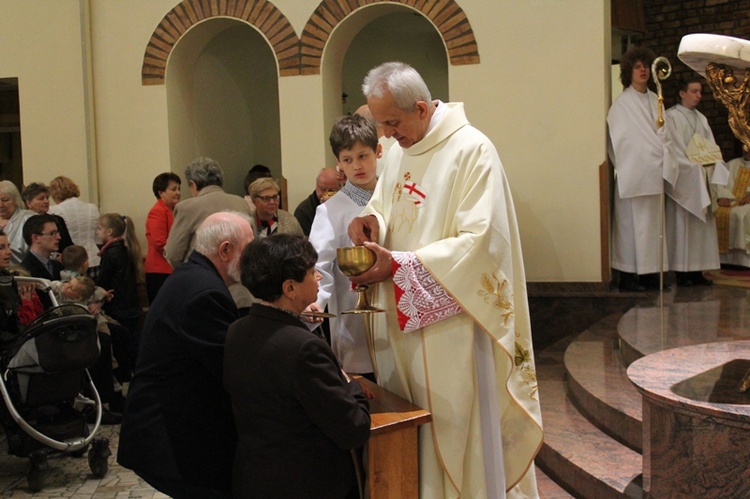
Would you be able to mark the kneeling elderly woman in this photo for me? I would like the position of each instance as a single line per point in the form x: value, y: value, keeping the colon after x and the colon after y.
x: 298, y: 416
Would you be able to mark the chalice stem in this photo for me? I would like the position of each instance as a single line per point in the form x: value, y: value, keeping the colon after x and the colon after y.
x: 370, y: 338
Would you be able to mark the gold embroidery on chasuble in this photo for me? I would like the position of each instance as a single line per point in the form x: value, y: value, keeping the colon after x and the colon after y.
x: 497, y: 293
x: 741, y: 185
x: 404, y: 208
x: 523, y: 364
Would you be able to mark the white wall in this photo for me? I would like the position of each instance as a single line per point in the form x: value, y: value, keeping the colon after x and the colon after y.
x: 40, y: 44
x: 540, y: 93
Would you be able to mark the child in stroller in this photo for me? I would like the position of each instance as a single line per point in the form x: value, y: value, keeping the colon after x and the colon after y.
x: 42, y: 375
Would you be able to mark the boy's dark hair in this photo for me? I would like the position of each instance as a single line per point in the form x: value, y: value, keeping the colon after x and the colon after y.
x: 350, y: 129
x: 73, y: 257
x: 635, y: 54
x: 682, y: 85
x: 35, y: 225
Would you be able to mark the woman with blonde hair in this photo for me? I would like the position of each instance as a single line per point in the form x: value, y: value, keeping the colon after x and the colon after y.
x: 269, y: 219
x: 12, y: 218
x: 80, y: 217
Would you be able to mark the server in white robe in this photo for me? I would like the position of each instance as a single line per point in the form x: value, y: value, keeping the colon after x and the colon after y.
x: 641, y: 154
x: 456, y: 338
x: 690, y: 225
x: 354, y: 142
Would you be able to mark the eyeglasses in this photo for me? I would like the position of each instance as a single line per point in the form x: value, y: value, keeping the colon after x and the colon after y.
x: 52, y: 233
x: 268, y: 199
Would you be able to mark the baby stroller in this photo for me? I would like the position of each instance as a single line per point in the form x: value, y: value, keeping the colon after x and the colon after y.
x: 43, y: 373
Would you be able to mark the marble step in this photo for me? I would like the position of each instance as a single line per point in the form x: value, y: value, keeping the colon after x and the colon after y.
x: 576, y: 454
x: 599, y: 386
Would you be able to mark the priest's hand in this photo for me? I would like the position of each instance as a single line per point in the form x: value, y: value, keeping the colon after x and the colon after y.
x: 381, y: 270
x: 363, y: 229
x: 724, y: 202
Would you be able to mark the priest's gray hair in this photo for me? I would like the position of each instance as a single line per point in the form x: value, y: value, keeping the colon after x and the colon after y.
x: 204, y: 171
x: 401, y: 80
x: 219, y: 227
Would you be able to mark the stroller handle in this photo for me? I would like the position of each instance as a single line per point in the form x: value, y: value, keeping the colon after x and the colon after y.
x: 40, y: 283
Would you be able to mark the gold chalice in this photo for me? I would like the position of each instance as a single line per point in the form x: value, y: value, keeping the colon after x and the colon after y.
x: 352, y: 261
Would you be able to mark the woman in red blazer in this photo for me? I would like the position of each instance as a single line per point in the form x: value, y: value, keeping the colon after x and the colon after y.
x: 166, y: 188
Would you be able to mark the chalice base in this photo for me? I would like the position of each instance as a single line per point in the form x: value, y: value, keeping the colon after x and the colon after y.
x: 368, y: 310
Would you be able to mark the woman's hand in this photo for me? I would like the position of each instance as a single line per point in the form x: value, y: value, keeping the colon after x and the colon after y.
x: 312, y: 308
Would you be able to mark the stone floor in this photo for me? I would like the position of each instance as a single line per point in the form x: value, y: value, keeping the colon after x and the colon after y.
x: 71, y: 477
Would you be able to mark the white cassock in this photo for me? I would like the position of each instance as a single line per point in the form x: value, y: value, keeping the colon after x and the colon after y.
x: 739, y: 215
x: 456, y: 339
x: 690, y: 225
x: 640, y: 152
x: 330, y: 231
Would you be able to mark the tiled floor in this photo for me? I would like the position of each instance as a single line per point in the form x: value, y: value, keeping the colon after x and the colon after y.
x: 71, y: 477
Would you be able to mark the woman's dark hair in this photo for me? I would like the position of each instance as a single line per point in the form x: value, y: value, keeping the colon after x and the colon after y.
x: 161, y: 182
x: 266, y: 263
x: 33, y: 190
x: 635, y: 54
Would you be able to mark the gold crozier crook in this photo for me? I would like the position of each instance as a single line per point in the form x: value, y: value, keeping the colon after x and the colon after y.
x: 661, y: 69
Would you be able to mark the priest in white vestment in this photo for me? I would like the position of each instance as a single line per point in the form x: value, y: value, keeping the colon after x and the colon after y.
x: 734, y: 198
x: 456, y: 338
x: 690, y: 225
x: 642, y: 155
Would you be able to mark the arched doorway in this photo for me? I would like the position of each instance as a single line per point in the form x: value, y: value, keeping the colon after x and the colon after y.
x: 404, y: 36
x: 370, y: 36
x: 222, y: 99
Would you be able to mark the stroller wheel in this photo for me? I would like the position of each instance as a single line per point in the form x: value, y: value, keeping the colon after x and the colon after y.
x: 80, y: 452
x: 38, y: 471
x: 99, y: 457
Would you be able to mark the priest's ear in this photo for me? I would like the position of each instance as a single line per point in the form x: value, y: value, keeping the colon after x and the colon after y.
x: 422, y: 109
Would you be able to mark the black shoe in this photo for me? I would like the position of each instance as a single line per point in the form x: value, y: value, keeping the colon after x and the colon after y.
x: 699, y: 279
x: 629, y: 283
x: 108, y: 417
x: 684, y: 279
x: 117, y: 404
x: 651, y: 281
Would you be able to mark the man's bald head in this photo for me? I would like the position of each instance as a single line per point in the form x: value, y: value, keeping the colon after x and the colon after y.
x: 327, y: 181
x: 221, y: 238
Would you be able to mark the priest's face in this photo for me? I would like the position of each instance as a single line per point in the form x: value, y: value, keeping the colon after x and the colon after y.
x: 692, y: 96
x: 407, y: 127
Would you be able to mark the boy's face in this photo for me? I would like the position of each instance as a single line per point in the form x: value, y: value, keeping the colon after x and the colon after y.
x: 360, y: 164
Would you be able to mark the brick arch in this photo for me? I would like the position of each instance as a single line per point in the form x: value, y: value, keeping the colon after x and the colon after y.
x: 446, y: 15
x: 262, y: 14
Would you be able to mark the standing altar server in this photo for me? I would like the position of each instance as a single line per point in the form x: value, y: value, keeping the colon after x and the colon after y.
x: 691, y: 226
